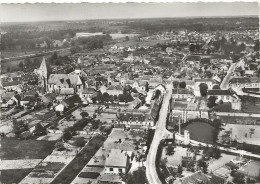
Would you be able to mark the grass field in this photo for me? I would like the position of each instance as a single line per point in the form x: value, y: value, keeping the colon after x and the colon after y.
x: 250, y: 107
x: 12, y: 149
x: 13, y: 175
x: 78, y: 163
x: 243, y: 133
x: 239, y: 120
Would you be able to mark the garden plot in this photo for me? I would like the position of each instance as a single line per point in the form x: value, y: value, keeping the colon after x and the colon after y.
x: 65, y: 124
x: 50, y: 167
x: 88, y: 174
x: 216, y: 164
x: 243, y: 133
x: 19, y: 164
x: 50, y: 137
x: 106, y: 117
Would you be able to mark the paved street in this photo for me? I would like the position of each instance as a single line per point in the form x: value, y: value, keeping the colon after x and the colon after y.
x: 160, y: 133
x: 225, y: 82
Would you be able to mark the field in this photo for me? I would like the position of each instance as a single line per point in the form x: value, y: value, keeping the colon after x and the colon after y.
x: 201, y: 131
x: 77, y: 164
x: 13, y: 176
x: 250, y: 107
x: 239, y: 120
x: 12, y: 149
x: 242, y: 133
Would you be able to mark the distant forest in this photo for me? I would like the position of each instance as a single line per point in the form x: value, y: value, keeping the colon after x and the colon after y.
x: 31, y: 34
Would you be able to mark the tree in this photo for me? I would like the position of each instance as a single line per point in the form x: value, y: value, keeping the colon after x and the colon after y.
x: 175, y: 84
x: 256, y: 46
x: 134, y: 90
x: 211, y: 101
x: 146, y: 87
x: 192, y: 47
x: 106, y: 96
x: 95, y: 124
x: 203, y: 165
x: 59, y: 146
x: 216, y: 87
x: 137, y: 177
x: 182, y: 84
x: 20, y: 65
x: 19, y: 127
x: 79, y: 142
x: 179, y: 169
x: 27, y: 62
x: 169, y: 149
x: 203, y: 89
x: 239, y: 178
x: 208, y: 51
x: 84, y: 114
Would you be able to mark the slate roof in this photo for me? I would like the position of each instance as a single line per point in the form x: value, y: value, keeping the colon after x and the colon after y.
x: 115, y: 87
x: 240, y: 80
x: 29, y: 98
x: 203, y: 80
x: 71, y: 101
x: 12, y: 83
x: 50, y: 97
x: 70, y: 79
x: 89, y: 91
x: 7, y: 96
x: 218, y: 92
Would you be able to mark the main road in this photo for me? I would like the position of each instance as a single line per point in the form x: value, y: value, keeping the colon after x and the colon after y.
x: 160, y: 133
x: 225, y: 83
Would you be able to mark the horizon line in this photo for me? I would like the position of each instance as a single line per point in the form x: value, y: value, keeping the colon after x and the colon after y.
x: 181, y: 17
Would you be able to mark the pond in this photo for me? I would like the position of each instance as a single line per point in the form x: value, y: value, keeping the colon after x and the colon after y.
x: 201, y: 131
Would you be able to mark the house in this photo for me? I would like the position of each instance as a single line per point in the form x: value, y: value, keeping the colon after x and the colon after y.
x: 117, y: 161
x: 103, y: 89
x: 161, y: 88
x: 140, y: 85
x: 115, y: 90
x: 48, y: 98
x: 146, y: 118
x: 182, y: 94
x: 9, y: 99
x: 88, y: 93
x: 12, y: 86
x: 28, y: 101
x: 68, y: 103
x: 58, y: 81
x: 224, y: 95
x: 244, y: 82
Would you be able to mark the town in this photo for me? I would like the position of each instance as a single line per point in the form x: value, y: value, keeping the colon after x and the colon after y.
x: 164, y: 103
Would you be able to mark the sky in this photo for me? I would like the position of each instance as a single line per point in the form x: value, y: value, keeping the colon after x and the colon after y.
x: 82, y: 11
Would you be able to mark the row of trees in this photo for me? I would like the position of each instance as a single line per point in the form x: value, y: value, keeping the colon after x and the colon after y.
x: 177, y: 84
x: 15, y: 39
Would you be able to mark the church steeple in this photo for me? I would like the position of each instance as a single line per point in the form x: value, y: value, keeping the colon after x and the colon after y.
x: 43, y: 75
x: 43, y: 69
